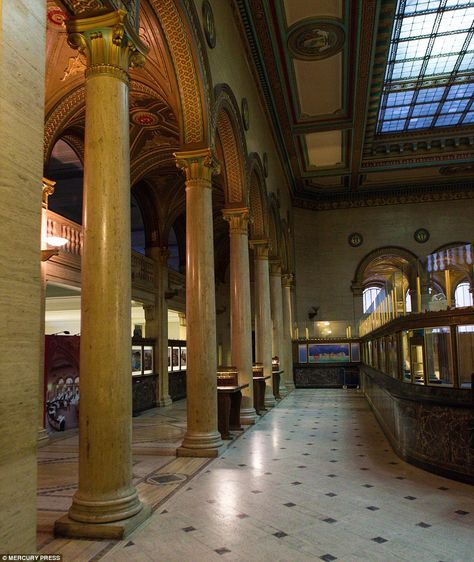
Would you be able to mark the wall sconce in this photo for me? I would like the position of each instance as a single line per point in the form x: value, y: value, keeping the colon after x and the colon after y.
x: 55, y: 241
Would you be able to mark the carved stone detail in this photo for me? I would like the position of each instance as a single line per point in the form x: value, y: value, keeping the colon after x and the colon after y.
x: 199, y: 165
x: 238, y: 219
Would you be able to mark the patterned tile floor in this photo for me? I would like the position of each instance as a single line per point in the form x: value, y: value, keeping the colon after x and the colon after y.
x: 315, y: 479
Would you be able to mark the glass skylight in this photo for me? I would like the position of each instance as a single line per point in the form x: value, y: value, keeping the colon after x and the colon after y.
x: 429, y: 80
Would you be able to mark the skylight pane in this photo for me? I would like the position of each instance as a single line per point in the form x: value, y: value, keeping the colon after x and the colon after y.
x: 469, y: 117
x: 429, y: 47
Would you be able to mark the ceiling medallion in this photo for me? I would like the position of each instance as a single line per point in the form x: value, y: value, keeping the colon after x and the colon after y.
x: 355, y: 239
x: 316, y: 39
x: 265, y: 164
x: 208, y: 24
x: 245, y: 113
x: 145, y: 119
x: 421, y: 235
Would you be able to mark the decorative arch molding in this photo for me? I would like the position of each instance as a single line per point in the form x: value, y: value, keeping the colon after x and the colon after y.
x: 407, y: 255
x: 286, y: 256
x: 450, y: 245
x: 257, y: 198
x: 185, y: 42
x: 142, y: 167
x: 142, y: 194
x: 227, y: 123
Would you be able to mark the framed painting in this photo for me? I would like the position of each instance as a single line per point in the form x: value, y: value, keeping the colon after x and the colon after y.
x: 183, y: 357
x: 147, y: 360
x: 169, y: 359
x: 136, y: 360
x: 175, y: 358
x: 329, y: 353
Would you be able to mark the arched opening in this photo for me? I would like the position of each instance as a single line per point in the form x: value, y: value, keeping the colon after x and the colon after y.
x: 369, y: 298
x: 462, y: 295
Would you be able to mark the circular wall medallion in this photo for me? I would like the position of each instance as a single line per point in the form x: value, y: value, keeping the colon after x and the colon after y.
x: 245, y: 113
x: 421, y: 235
x: 316, y: 39
x: 208, y: 23
x: 355, y: 239
x: 265, y: 164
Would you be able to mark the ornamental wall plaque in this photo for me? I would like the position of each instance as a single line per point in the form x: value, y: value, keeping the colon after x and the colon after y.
x: 316, y: 40
x: 421, y: 235
x: 245, y: 113
x: 355, y: 239
x: 208, y: 24
x: 265, y: 164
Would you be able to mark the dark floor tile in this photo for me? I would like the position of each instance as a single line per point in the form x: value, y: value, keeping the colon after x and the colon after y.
x: 289, y: 504
x: 462, y: 512
x: 330, y: 520
x: 380, y: 540
x: 296, y: 483
x: 393, y: 462
x: 188, y: 529
x: 130, y: 543
x: 280, y: 534
x: 243, y: 464
x: 242, y: 515
x: 333, y: 460
x: 222, y: 550
x: 400, y: 477
x: 267, y: 473
x: 410, y: 497
x: 211, y: 501
x: 332, y: 475
x: 423, y: 525
x: 256, y: 491
x: 443, y: 488
x: 373, y: 508
x: 364, y: 468
x: 301, y: 466
x: 367, y: 485
x: 331, y: 494
x: 328, y: 557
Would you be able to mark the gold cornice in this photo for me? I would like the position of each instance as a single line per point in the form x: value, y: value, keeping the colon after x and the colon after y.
x: 48, y: 189
x: 198, y: 165
x: 238, y: 219
x: 288, y: 280
x: 110, y: 44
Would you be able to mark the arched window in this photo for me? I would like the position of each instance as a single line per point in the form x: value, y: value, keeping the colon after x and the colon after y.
x: 369, y: 296
x: 407, y: 302
x: 462, y: 295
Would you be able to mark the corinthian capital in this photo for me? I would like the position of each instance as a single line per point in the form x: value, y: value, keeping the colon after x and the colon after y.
x: 288, y: 280
x: 110, y: 44
x: 238, y: 219
x: 261, y: 249
x: 198, y: 164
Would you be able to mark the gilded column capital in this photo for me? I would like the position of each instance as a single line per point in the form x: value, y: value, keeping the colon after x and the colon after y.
x: 261, y: 249
x: 48, y: 189
x: 288, y: 280
x: 109, y: 42
x: 198, y: 165
x: 238, y: 219
x: 275, y: 267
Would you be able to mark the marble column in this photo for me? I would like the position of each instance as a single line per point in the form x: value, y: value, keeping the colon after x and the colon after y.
x: 157, y: 322
x: 263, y: 319
x: 276, y: 301
x: 240, y: 315
x: 202, y: 438
x: 288, y: 319
x: 106, y: 504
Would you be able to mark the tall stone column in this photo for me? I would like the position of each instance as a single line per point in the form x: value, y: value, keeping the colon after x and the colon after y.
x: 157, y: 322
x: 276, y: 300
x: 288, y: 319
x: 202, y: 438
x: 263, y: 319
x: 240, y: 303
x: 106, y: 504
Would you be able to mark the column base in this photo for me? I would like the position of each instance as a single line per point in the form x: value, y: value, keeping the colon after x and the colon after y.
x: 248, y: 416
x: 270, y: 401
x: 43, y: 437
x: 116, y: 530
x: 165, y: 401
x: 290, y: 386
x: 196, y: 444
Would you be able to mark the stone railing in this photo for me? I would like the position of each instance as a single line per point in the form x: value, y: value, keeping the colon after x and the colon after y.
x: 70, y: 253
x: 60, y: 226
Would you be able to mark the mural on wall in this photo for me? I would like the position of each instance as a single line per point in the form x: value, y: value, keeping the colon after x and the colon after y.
x: 61, y: 367
x: 328, y: 353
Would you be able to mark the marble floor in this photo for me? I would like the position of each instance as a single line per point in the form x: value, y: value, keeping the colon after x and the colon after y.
x: 315, y: 479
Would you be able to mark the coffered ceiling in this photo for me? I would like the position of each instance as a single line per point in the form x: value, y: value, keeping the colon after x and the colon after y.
x: 321, y: 66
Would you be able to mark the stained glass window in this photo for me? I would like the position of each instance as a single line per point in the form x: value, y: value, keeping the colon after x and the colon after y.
x: 429, y: 80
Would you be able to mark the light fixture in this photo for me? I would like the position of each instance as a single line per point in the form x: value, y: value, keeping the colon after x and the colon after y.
x: 56, y: 242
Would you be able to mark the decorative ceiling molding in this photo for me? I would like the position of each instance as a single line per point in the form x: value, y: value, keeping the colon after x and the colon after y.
x: 426, y: 194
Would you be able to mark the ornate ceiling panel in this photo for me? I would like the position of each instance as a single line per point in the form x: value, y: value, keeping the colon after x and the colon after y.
x: 321, y: 66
